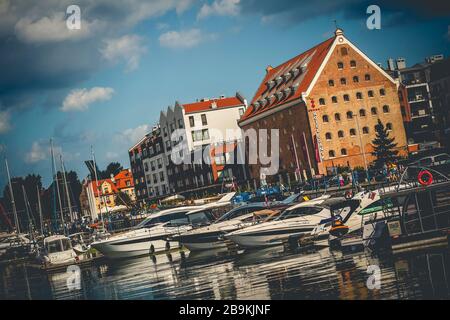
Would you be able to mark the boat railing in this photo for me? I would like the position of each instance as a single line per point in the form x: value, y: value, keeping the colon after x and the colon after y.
x: 409, y: 180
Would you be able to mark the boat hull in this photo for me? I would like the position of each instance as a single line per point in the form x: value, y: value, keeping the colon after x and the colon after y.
x: 114, y: 250
x: 265, y: 239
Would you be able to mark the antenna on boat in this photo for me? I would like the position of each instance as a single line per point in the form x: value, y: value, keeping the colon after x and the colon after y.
x: 55, y: 172
x: 66, y: 187
x: 13, y: 203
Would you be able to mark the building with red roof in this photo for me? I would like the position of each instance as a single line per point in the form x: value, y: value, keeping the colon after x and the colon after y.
x: 101, y: 195
x: 325, y: 103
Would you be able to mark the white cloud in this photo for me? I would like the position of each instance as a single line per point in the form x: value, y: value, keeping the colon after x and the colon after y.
x: 131, y: 136
x: 5, y: 125
x: 80, y: 99
x: 37, y: 153
x: 129, y: 48
x: 40, y: 151
x: 184, y: 38
x: 219, y: 8
x: 183, y: 5
x: 51, y: 29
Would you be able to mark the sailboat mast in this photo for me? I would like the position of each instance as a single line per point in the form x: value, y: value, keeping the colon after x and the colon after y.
x: 13, y: 203
x: 66, y: 187
x: 40, y: 210
x: 57, y: 184
x: 96, y: 185
x: 25, y: 201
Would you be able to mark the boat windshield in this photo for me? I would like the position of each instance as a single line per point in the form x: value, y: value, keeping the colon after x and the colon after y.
x: 238, y: 212
x: 290, y: 199
x: 299, y: 212
x: 201, y: 217
x: 174, y: 218
x: 58, y: 245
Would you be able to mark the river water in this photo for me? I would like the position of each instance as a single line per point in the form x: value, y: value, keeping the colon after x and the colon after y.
x: 272, y: 273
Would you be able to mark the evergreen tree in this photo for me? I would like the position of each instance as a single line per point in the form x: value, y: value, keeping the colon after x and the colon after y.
x: 384, y: 147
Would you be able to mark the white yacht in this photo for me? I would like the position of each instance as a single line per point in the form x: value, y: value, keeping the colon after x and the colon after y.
x: 209, y: 237
x: 58, y: 250
x: 147, y: 237
x: 293, y: 223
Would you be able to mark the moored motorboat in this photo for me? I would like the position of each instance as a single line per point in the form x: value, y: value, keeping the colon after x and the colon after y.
x: 57, y: 250
x: 210, y: 237
x: 291, y: 224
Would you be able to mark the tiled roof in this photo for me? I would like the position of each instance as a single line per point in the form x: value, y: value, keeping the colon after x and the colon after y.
x: 287, y: 81
x: 208, y: 105
x: 120, y: 182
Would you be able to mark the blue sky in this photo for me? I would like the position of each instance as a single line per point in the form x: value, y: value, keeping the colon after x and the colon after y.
x: 142, y: 59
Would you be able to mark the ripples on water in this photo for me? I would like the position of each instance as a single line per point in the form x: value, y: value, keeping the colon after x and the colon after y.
x: 271, y: 273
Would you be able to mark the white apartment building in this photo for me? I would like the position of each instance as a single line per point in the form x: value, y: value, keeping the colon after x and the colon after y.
x: 200, y: 119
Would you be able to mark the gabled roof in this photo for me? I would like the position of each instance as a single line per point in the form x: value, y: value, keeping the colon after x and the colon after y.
x: 206, y: 105
x: 100, y: 183
x: 289, y: 80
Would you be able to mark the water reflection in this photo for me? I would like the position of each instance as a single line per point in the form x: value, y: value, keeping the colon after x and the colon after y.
x: 271, y: 273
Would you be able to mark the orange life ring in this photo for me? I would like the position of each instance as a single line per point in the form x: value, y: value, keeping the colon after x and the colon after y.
x: 428, y: 178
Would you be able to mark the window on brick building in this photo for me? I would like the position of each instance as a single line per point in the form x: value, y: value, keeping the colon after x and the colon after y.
x: 340, y: 65
x: 353, y: 64
x: 388, y: 126
x: 349, y: 115
x: 362, y: 112
x: 359, y: 95
x: 325, y: 118
x: 322, y: 101
x: 356, y: 79
x: 382, y: 92
x: 373, y: 111
x: 346, y: 97
x: 344, y: 51
x: 331, y: 154
x: 343, y: 81
x: 337, y: 116
x: 367, y: 77
x: 340, y: 134
x: 365, y: 130
x: 334, y: 99
x: 343, y: 151
x: 352, y: 132
x: 370, y: 94
x: 331, y: 83
x: 385, y: 109
x: 328, y: 135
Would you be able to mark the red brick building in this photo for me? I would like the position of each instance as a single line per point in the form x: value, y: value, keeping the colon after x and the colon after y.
x: 325, y: 103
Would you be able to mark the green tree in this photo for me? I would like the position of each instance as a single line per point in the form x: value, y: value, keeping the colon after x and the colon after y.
x: 122, y: 198
x: 383, y: 146
x: 112, y: 169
